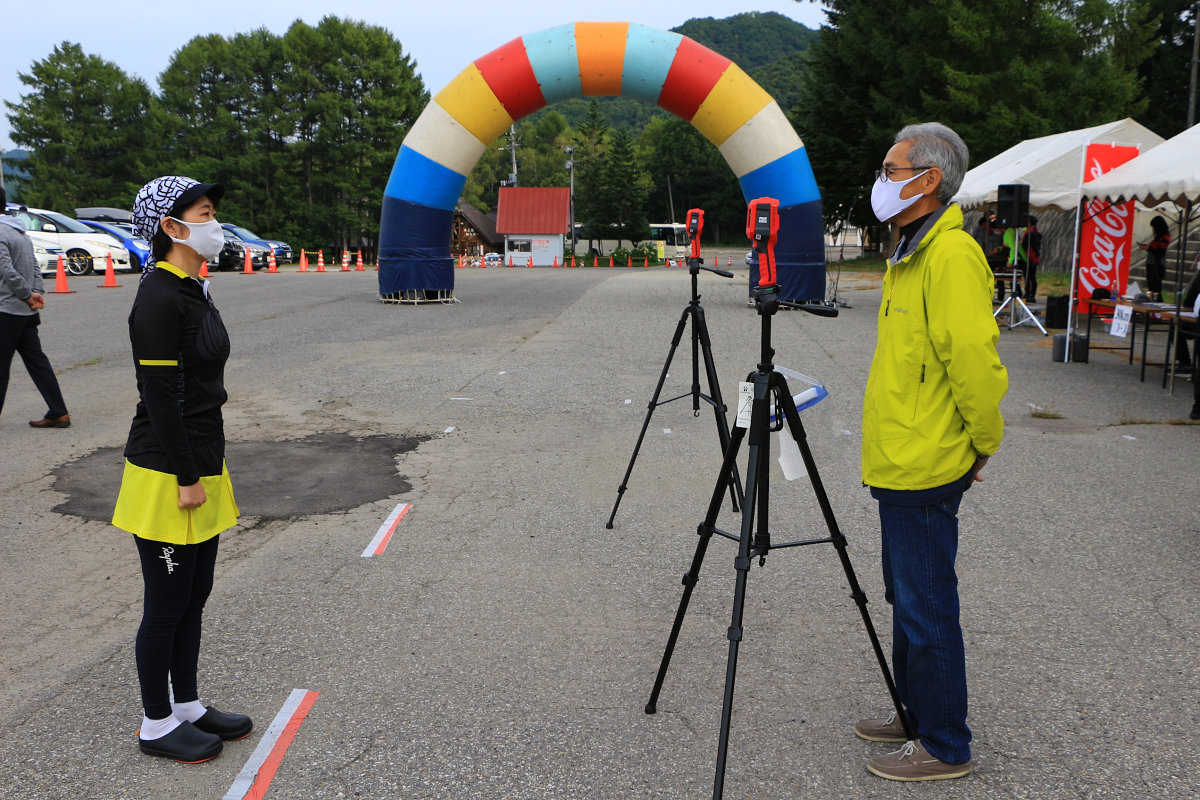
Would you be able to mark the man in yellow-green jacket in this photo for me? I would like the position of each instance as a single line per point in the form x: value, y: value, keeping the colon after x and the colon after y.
x: 931, y: 419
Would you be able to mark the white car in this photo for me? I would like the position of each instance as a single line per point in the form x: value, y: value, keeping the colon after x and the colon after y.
x: 86, y: 249
x: 47, y: 257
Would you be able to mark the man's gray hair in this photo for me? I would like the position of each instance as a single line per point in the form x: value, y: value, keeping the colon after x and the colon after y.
x: 935, y: 145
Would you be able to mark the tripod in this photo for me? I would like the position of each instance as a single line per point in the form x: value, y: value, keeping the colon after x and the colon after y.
x: 769, y: 389
x: 1014, y: 299
x: 701, y: 344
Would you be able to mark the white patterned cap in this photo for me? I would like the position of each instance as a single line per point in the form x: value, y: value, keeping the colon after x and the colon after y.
x: 163, y: 196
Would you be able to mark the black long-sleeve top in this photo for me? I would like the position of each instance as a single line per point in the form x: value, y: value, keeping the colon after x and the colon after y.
x: 180, y: 346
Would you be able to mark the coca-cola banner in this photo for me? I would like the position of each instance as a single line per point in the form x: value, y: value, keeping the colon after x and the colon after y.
x: 1106, y: 237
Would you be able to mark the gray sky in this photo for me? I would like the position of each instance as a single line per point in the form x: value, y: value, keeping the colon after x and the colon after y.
x: 442, y: 37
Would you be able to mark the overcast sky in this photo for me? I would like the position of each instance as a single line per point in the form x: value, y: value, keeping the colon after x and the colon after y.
x: 441, y: 37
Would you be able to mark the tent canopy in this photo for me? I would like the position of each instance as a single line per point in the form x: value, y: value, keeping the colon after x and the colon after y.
x: 1168, y: 173
x: 1051, y: 165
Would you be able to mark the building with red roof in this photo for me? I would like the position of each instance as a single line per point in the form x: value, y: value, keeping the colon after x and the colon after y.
x: 534, y: 224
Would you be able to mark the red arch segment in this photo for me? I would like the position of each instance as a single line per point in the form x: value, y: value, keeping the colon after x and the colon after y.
x: 508, y: 73
x: 693, y: 74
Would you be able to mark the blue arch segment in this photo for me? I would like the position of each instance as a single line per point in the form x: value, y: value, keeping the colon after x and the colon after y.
x: 800, y: 253
x: 789, y: 179
x: 423, y: 181
x: 555, y: 63
x: 649, y: 54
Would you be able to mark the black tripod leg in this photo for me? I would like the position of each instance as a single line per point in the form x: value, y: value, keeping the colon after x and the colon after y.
x: 650, y: 412
x: 705, y: 530
x: 700, y: 331
x: 756, y: 478
x: 839, y: 543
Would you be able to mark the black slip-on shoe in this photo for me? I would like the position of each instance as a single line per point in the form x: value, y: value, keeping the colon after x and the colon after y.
x: 228, y: 726
x: 186, y: 744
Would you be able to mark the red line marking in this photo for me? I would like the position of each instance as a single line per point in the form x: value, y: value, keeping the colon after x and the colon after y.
x: 387, y: 537
x: 266, y: 773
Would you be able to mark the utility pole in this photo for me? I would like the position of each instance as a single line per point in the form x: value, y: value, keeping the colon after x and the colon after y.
x: 570, y: 165
x: 1191, y: 119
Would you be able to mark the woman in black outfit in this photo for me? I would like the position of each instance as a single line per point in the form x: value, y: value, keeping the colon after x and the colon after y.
x: 176, y: 496
x: 1156, y: 257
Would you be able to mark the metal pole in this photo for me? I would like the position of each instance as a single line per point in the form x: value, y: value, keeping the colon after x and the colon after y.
x: 1191, y: 118
x: 571, y: 169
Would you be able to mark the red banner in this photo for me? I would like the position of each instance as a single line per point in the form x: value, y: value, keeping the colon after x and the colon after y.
x: 1106, y: 235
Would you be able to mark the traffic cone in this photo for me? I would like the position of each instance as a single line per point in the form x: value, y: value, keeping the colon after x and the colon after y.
x: 110, y: 277
x: 646, y: 263
x: 529, y: 263
x: 460, y: 261
x: 630, y: 264
x: 360, y: 267
x: 730, y: 264
x: 593, y: 259
x: 555, y: 264
x: 204, y: 269
x: 271, y: 266
x: 345, y: 261
x: 303, y: 260
x: 60, y: 279
x: 510, y: 261
x: 320, y: 261
x: 247, y: 265
x: 610, y: 259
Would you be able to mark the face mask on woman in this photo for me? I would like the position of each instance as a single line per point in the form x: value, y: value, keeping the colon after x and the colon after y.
x: 206, y: 238
x: 886, y: 201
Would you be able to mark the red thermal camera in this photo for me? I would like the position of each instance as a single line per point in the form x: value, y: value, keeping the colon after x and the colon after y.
x: 762, y: 228
x: 695, y: 224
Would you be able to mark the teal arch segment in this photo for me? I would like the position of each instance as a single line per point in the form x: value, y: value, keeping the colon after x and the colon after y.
x: 789, y: 179
x: 649, y: 54
x: 552, y: 55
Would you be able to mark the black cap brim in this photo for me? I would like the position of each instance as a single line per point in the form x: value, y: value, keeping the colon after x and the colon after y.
x: 215, y: 192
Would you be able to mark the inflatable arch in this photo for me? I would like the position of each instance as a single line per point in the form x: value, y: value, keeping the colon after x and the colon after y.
x: 584, y: 59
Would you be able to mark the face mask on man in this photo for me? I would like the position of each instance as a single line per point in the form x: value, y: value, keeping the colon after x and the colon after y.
x: 886, y: 201
x: 206, y: 238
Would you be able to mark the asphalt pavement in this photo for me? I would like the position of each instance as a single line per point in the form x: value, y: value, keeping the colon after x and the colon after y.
x: 505, y: 643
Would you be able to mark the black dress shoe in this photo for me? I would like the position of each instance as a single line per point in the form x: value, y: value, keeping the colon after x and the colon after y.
x: 186, y: 744
x: 228, y: 726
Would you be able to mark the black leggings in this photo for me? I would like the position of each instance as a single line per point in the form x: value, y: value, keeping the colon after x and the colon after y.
x: 178, y: 580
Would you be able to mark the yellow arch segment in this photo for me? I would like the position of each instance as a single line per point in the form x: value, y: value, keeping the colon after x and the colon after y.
x: 600, y: 48
x: 472, y: 103
x: 733, y: 102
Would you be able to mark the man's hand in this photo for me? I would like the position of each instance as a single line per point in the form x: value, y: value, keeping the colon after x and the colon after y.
x: 980, y: 462
x: 36, y: 301
x: 192, y: 496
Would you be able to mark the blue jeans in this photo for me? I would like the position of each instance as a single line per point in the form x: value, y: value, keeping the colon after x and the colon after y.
x: 919, y: 547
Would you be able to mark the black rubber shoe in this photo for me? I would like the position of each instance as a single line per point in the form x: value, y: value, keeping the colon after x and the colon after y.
x: 185, y: 744
x: 228, y: 726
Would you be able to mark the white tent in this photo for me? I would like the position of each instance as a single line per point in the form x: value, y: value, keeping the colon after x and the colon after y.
x: 1051, y: 165
x: 1168, y: 173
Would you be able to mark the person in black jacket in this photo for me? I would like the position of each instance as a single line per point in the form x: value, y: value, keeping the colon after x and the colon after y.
x: 176, y: 496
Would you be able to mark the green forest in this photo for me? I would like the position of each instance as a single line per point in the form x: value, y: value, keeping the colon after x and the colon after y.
x: 306, y: 125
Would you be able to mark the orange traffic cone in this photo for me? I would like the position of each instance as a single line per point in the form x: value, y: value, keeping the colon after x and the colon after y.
x: 303, y: 261
x: 460, y: 261
x: 630, y: 264
x: 572, y: 261
x: 247, y: 265
x: 204, y: 270
x: 345, y: 261
x: 646, y: 262
x: 320, y: 261
x: 360, y: 267
x: 593, y: 259
x: 60, y: 279
x: 110, y: 277
x: 529, y: 263
x: 271, y: 266
x: 510, y: 261
x: 555, y: 264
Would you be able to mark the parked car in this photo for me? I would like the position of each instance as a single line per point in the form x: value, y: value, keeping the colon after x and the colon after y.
x: 45, y: 254
x: 85, y: 248
x: 493, y: 260
x: 283, y: 250
x: 233, y: 254
x: 139, y: 248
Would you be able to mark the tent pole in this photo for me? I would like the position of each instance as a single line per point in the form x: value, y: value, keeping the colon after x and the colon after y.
x: 1184, y: 220
x: 1074, y: 260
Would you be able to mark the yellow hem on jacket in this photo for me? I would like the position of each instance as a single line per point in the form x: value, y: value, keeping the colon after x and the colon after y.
x: 148, y: 507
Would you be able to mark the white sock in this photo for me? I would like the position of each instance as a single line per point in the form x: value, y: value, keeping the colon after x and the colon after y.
x: 189, y: 712
x: 157, y: 728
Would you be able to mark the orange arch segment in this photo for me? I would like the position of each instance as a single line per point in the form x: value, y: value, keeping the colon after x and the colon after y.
x: 600, y: 47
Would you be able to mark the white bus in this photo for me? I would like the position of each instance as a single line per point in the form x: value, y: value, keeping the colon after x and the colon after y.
x: 671, y: 239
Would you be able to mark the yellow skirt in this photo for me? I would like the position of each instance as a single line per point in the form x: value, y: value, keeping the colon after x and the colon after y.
x: 148, y: 507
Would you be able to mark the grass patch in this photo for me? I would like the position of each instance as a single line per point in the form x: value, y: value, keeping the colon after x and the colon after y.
x: 91, y: 363
x: 1044, y: 413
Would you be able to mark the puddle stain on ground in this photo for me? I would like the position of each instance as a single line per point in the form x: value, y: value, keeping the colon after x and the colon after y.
x: 320, y: 474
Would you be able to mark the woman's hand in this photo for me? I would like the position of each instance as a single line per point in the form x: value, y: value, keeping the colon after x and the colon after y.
x: 192, y: 496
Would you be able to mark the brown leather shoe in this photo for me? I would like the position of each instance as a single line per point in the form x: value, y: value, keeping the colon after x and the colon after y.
x: 59, y: 422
